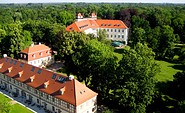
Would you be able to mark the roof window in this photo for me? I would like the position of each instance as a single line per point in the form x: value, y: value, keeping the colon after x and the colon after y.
x: 11, y: 61
x: 32, y: 69
x: 39, y: 71
x: 6, y: 59
x: 61, y: 79
x: 15, y: 62
x: 54, y: 76
x: 22, y: 64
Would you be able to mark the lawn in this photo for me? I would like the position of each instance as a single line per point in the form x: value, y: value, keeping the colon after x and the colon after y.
x: 167, y: 70
x: 15, y: 108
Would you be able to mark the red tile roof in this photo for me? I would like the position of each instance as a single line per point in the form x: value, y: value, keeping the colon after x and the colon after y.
x: 34, y: 51
x: 86, y: 24
x: 35, y: 48
x: 75, y: 92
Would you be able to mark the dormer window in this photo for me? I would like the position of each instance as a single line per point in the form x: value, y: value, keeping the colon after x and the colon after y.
x: 32, y: 78
x: 46, y: 84
x: 33, y: 55
x: 24, y: 56
x: 47, y: 52
x: 40, y: 53
x: 62, y: 90
x: 10, y: 69
x: 20, y: 73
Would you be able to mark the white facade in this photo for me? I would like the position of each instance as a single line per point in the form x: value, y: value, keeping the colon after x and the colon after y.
x: 42, y: 61
x: 44, y: 100
x: 114, y: 34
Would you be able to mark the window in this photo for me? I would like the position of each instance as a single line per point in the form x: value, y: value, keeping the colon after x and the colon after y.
x: 53, y: 76
x: 107, y: 30
x: 111, y: 36
x: 118, y: 36
x: 11, y: 61
x: 15, y: 62
x: 25, y: 56
x: 114, y: 36
x: 53, y: 108
x: 115, y: 30
x: 119, y: 30
x: 38, y: 101
x: 39, y: 71
x: 21, y: 65
x: 6, y: 59
x: 28, y: 87
x: 122, y: 30
x: 111, y: 30
x: 53, y: 99
x: 68, y: 106
x: 41, y: 94
x: 32, y: 69
x: 122, y: 36
x: 40, y: 53
x: 36, y: 91
x: 33, y: 55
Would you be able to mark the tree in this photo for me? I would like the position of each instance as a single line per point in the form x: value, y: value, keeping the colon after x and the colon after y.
x: 166, y: 41
x: 134, y: 85
x: 5, y: 107
x: 92, y: 61
x: 17, y: 40
x: 69, y: 43
x: 179, y: 85
x: 138, y: 35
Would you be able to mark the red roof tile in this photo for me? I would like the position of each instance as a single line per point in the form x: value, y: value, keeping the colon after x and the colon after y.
x: 86, y: 24
x: 34, y: 52
x: 75, y: 92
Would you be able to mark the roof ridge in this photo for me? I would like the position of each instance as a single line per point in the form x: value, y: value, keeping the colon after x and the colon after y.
x: 75, y: 91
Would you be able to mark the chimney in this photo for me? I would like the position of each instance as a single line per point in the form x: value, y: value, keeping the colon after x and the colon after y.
x: 10, y: 69
x: 32, y: 44
x: 46, y: 84
x: 71, y: 77
x: 79, y: 17
x: 4, y: 55
x: 20, y: 73
x: 32, y: 78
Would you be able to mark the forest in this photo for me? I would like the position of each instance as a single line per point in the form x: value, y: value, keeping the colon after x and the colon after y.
x: 124, y: 79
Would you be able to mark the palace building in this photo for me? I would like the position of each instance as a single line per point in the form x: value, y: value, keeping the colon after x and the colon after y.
x: 116, y: 29
x: 52, y: 91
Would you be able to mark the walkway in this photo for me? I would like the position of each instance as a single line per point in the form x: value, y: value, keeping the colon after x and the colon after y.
x: 31, y: 106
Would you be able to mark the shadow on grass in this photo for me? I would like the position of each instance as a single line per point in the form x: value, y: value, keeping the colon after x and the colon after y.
x: 119, y: 51
x: 179, y: 67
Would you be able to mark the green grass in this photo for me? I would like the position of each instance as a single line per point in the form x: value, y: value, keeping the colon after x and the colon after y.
x: 167, y: 70
x: 15, y: 108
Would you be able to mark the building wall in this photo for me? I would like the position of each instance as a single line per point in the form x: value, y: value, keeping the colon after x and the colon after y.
x: 42, y: 61
x: 112, y: 33
x: 89, y: 106
x: 42, y: 99
x: 35, y: 96
x: 117, y: 34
